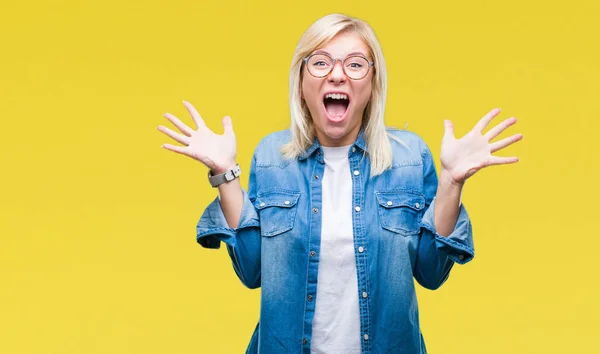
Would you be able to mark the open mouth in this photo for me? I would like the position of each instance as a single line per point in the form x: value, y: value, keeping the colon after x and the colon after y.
x: 336, y: 106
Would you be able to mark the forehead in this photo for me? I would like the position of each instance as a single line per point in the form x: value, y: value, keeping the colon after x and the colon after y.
x: 343, y: 44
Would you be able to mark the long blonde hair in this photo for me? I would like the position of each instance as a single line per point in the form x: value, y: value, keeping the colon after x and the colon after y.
x: 302, y: 128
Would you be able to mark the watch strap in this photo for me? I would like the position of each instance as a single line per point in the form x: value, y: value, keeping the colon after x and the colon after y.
x: 225, y: 177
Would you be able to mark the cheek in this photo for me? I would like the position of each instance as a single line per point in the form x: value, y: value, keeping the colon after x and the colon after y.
x: 364, y: 93
x: 303, y: 89
x: 309, y: 90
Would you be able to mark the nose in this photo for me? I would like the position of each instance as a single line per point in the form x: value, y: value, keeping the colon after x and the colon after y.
x: 337, y: 74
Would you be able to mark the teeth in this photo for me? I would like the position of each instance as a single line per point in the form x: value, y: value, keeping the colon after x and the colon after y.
x: 337, y: 96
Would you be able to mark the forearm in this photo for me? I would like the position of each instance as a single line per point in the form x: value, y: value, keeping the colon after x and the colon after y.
x: 231, y: 198
x: 447, y: 204
x: 242, y: 237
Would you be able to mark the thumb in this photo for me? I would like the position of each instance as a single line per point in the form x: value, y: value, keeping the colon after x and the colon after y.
x: 448, y: 129
x: 227, y: 126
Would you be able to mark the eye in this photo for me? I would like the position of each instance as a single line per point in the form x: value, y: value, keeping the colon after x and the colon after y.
x: 320, y: 63
x: 356, y: 64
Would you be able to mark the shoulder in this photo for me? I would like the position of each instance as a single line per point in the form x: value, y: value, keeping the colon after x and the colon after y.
x: 406, y: 144
x: 268, y: 151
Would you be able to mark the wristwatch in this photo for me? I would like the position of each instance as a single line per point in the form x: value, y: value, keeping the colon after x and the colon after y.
x: 228, y: 176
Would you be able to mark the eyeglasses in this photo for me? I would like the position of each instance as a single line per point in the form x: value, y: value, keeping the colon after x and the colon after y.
x: 355, y: 67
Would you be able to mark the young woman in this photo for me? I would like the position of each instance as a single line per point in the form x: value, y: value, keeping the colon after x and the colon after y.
x: 341, y: 213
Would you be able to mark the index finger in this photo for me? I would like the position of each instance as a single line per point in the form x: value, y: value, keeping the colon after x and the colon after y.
x: 195, y: 115
x: 483, y: 122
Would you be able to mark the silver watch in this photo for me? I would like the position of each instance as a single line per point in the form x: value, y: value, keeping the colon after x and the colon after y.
x: 225, y: 177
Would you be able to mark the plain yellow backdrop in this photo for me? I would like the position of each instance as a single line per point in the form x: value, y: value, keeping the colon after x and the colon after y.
x: 97, y: 222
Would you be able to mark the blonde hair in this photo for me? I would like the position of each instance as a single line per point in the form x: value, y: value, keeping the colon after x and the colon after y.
x: 302, y: 128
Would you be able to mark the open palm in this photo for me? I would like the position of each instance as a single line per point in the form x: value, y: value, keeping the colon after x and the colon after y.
x: 217, y: 152
x: 461, y: 158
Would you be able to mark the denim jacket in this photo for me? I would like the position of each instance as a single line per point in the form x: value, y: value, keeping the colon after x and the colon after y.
x: 276, y: 245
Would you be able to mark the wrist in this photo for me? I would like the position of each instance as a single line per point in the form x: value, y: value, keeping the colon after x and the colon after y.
x: 446, y: 181
x: 224, y: 177
x: 222, y: 168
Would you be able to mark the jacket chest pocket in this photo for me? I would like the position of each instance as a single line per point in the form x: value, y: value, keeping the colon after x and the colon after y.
x: 277, y: 211
x: 400, y: 211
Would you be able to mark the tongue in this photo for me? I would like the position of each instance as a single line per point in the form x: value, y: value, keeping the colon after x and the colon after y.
x: 335, y: 108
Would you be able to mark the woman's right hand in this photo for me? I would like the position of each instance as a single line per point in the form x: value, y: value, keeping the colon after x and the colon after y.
x: 217, y: 152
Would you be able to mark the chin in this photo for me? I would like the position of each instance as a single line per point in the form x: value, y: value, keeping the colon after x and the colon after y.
x: 335, y: 134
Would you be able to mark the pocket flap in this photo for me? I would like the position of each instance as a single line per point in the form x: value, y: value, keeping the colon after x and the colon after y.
x: 400, y: 199
x: 279, y: 198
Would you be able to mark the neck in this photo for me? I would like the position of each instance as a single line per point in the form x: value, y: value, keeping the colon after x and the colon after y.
x: 344, y: 140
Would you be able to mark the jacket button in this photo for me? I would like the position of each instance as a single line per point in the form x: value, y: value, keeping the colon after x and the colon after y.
x: 364, y: 294
x: 315, y: 210
x: 417, y: 205
x: 366, y: 336
x: 357, y: 208
x: 389, y: 203
x: 309, y: 297
x: 361, y: 249
x: 304, y: 340
x: 356, y: 172
x: 313, y: 253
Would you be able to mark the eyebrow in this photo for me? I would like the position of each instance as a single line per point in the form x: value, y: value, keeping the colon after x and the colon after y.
x: 350, y: 54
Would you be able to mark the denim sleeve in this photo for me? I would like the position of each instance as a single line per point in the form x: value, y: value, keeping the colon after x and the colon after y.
x: 243, y: 242
x: 437, y: 254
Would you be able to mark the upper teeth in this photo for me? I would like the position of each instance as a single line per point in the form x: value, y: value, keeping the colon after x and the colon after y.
x: 336, y: 96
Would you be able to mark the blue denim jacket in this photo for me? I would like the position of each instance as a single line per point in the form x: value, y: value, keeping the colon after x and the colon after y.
x: 276, y: 246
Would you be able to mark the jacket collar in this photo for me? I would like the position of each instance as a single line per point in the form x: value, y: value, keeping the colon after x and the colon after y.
x: 360, y: 143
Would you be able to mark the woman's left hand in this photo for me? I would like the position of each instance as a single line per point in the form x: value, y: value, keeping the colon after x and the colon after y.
x: 461, y: 158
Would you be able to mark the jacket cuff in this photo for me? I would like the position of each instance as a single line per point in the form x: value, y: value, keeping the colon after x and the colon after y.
x: 212, y: 228
x: 459, y: 244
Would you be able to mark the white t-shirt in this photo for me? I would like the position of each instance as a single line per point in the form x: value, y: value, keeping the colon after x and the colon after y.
x: 336, y: 323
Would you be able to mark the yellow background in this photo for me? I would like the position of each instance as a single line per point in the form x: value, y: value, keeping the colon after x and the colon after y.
x: 97, y: 222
